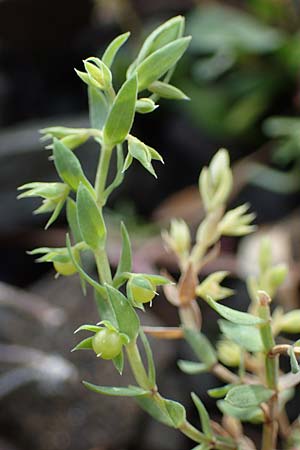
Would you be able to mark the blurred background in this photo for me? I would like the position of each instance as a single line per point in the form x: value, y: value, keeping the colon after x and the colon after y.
x: 242, y: 74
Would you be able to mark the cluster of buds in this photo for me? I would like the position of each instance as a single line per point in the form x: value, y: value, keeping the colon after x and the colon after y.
x: 97, y: 74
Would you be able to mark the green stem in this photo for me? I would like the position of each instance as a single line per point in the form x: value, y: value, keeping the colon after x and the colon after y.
x: 190, y: 431
x: 103, y: 266
x: 102, y: 173
x: 270, y: 428
x: 137, y: 366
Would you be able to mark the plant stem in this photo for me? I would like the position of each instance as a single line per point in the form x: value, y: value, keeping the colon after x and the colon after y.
x: 190, y: 431
x: 137, y: 366
x: 102, y: 172
x: 270, y: 428
x: 103, y: 266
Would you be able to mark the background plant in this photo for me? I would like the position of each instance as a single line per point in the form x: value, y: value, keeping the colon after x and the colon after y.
x: 257, y: 392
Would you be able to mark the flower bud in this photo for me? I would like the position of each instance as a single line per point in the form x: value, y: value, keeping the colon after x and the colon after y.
x: 211, y: 287
x: 145, y: 105
x: 107, y: 343
x: 290, y: 322
x: 236, y: 223
x: 178, y: 238
x: 215, y: 181
x: 229, y: 353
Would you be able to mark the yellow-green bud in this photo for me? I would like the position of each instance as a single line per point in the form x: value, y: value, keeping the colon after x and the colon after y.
x: 145, y: 105
x: 211, y: 287
x: 179, y: 237
x: 290, y: 322
x: 64, y: 268
x: 140, y: 290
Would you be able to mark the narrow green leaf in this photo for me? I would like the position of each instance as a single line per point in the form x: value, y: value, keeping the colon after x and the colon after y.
x: 162, y: 35
x: 203, y: 414
x: 131, y: 391
x: 92, y: 328
x: 125, y: 262
x: 119, y: 174
x: 138, y: 150
x: 113, y: 48
x: 201, y: 347
x: 98, y: 108
x: 176, y: 412
x: 91, y: 223
x: 241, y: 318
x: 127, y: 319
x: 68, y: 165
x: 253, y: 415
x: 159, y: 62
x: 72, y: 220
x: 245, y: 336
x: 168, y: 91
x: 149, y: 356
x: 293, y: 360
x: 220, y: 392
x: 151, y: 407
x: 248, y: 396
x: 191, y: 367
x: 121, y: 115
x: 86, y: 344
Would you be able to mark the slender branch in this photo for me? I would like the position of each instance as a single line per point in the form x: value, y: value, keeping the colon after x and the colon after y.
x: 137, y: 366
x: 282, y: 349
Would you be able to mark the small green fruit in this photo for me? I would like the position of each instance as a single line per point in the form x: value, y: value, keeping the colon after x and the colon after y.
x: 141, y: 289
x: 107, y: 343
x: 64, y: 268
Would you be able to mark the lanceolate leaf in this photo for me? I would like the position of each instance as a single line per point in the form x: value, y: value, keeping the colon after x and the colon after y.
x: 203, y: 414
x: 121, y: 115
x: 253, y: 414
x: 149, y: 405
x: 245, y: 336
x: 113, y: 48
x: 201, y: 346
x: 232, y: 315
x: 166, y: 90
x: 191, y: 367
x: 176, y: 412
x: 125, y: 263
x: 98, y: 108
x: 68, y: 165
x: 150, y: 360
x: 72, y: 220
x: 248, y: 396
x: 126, y: 317
x: 131, y: 391
x: 86, y: 344
x: 118, y: 362
x: 159, y: 62
x: 220, y: 392
x: 91, y: 223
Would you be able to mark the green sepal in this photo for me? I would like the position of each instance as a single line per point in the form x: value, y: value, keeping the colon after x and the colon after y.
x: 160, y: 61
x: 168, y: 91
x: 220, y: 392
x: 201, y: 347
x: 130, y: 391
x: 98, y: 108
x: 126, y: 317
x: 113, y: 48
x: 121, y: 115
x: 245, y: 336
x: 252, y: 415
x: 192, y: 367
x: 293, y: 360
x: 86, y: 344
x: 68, y: 166
x: 248, y: 396
x: 90, y: 219
x: 118, y: 362
x: 125, y: 262
x: 238, y: 317
x: 150, y: 360
x: 203, y: 414
x: 92, y: 328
